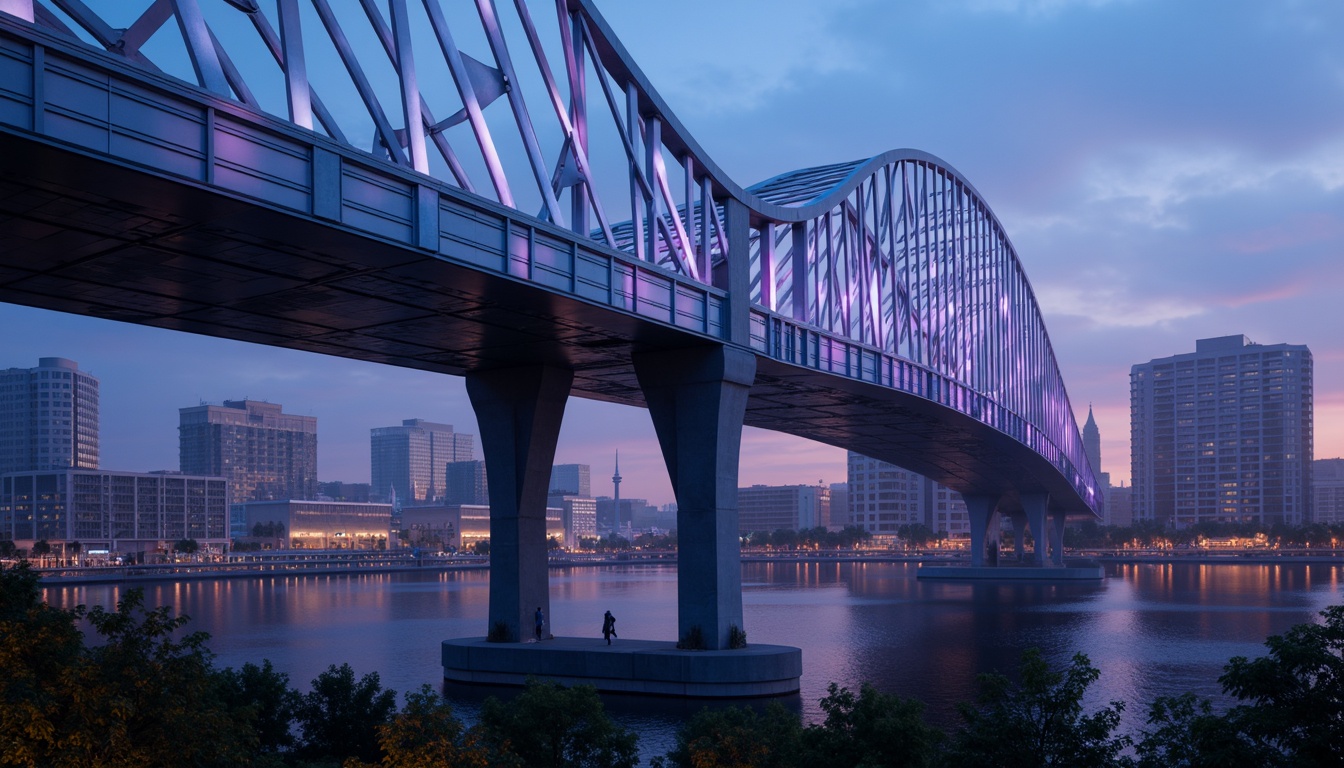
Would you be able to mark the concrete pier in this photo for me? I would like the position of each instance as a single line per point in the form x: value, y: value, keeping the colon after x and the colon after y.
x: 627, y: 666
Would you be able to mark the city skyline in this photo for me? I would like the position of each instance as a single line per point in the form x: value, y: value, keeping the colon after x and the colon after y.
x: 1166, y: 173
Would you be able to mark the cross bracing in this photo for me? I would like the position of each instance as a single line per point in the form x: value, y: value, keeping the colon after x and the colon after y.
x: 539, y: 108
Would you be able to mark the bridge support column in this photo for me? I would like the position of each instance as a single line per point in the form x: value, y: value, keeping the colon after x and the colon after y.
x: 1019, y: 535
x: 1036, y: 506
x: 1057, y: 537
x: 980, y: 510
x: 519, y: 411
x: 697, y: 398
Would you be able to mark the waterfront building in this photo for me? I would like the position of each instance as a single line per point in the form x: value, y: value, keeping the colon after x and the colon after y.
x: 572, y: 480
x: 48, y: 417
x: 578, y: 516
x: 411, y: 459
x: 127, y: 513
x: 1223, y: 434
x: 264, y: 453
x: 883, y: 497
x: 466, y: 482
x: 304, y: 524
x: 769, y: 508
x: 464, y: 525
x: 1327, y: 491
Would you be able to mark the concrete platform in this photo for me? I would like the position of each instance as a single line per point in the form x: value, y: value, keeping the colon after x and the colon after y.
x: 627, y: 666
x: 1070, y: 572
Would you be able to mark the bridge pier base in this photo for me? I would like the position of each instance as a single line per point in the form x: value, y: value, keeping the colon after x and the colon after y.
x: 519, y: 411
x: 697, y: 398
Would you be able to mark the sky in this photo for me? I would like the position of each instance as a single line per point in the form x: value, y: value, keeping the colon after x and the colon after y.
x: 1167, y: 171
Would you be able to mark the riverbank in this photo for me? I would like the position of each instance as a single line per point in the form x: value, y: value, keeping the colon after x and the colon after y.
x: 326, y: 563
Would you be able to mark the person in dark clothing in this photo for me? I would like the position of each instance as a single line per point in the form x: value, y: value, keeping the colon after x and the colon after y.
x: 541, y: 621
x: 608, y: 627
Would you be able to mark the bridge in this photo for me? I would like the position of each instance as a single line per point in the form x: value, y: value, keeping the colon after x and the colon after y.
x: 502, y: 195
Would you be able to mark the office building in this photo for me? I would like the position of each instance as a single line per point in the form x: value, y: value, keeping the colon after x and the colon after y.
x: 1120, y: 505
x: 411, y: 459
x: 264, y: 453
x: 883, y: 497
x: 571, y: 479
x: 48, y: 417
x: 619, y: 515
x: 839, y: 505
x: 127, y: 513
x: 1223, y: 434
x: 1327, y: 491
x: 770, y: 508
x: 335, y: 490
x: 320, y: 524
x: 466, y: 482
x: 578, y: 514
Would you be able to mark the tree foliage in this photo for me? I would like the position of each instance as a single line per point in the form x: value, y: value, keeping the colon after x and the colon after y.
x: 1038, y: 721
x: 557, y: 727
x: 340, y: 716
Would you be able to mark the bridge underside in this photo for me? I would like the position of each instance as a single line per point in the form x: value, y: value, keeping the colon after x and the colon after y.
x: 92, y: 237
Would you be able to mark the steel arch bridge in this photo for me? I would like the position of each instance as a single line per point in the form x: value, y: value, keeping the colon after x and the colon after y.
x: 510, y: 173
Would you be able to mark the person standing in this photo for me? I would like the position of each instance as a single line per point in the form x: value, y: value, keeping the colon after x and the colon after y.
x: 608, y: 627
x: 541, y: 622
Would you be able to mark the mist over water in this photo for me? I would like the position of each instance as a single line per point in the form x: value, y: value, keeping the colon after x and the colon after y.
x: 1152, y: 630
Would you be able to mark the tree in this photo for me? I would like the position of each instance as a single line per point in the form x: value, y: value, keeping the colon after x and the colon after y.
x: 268, y: 699
x: 481, y: 547
x: 551, y: 725
x: 41, y: 548
x: 426, y: 735
x: 1039, y: 721
x: 141, y: 697
x: 736, y: 737
x: 1187, y: 734
x: 7, y: 548
x: 186, y: 546
x: 1294, y: 695
x: 339, y: 717
x: 870, y: 729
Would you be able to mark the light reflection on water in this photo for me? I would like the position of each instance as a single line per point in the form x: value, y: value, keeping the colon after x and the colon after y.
x: 1151, y: 629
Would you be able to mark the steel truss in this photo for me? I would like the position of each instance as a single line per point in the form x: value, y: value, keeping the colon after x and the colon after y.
x: 898, y: 253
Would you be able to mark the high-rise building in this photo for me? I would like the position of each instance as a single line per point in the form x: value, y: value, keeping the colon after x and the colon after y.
x: 120, y: 512
x: 48, y: 417
x: 1327, y: 491
x: 1223, y: 434
x: 1092, y: 448
x: 265, y: 454
x: 883, y: 497
x: 466, y: 482
x: 411, y: 459
x: 571, y: 479
x: 840, y: 505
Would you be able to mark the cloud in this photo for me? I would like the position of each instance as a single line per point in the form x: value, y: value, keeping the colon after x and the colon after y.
x: 751, y: 53
x: 1035, y: 8
x: 1149, y: 185
x: 1113, y: 306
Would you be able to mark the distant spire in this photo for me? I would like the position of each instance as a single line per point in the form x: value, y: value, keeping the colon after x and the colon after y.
x: 616, y: 481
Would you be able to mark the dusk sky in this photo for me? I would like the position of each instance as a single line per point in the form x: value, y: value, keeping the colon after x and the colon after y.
x: 1167, y: 171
